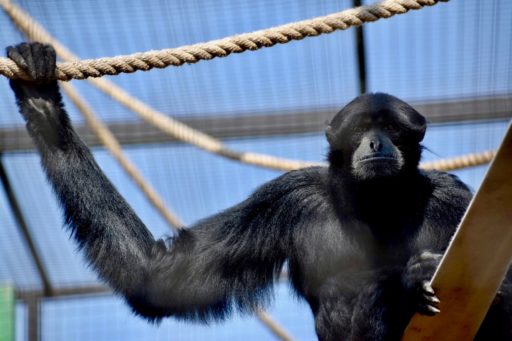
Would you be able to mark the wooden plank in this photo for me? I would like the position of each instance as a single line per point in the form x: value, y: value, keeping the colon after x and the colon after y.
x: 476, y: 261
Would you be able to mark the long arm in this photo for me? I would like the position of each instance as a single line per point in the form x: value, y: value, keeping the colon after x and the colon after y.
x: 228, y: 260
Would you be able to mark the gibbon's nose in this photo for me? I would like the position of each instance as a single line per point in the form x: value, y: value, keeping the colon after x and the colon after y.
x: 375, y: 145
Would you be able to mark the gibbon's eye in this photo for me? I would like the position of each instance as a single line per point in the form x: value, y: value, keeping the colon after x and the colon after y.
x: 389, y: 127
x: 359, y: 128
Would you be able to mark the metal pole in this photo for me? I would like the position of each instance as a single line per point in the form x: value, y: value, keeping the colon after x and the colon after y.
x: 361, y: 57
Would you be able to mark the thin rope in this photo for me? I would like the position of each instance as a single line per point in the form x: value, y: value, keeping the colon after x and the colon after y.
x: 463, y: 161
x: 192, y: 136
x: 272, y: 325
x: 112, y: 144
x: 222, y: 47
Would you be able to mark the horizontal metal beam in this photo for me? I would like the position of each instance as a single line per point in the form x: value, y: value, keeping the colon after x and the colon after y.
x: 271, y: 124
x: 467, y: 109
x: 87, y: 290
x: 26, y: 295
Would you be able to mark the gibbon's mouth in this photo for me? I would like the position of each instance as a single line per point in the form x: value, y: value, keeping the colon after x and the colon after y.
x: 376, y: 158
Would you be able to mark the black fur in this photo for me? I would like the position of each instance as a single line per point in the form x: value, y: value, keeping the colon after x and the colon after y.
x: 362, y: 237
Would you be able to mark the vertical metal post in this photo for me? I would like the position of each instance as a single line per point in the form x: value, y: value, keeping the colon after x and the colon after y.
x: 24, y: 230
x: 361, y: 57
x: 33, y: 308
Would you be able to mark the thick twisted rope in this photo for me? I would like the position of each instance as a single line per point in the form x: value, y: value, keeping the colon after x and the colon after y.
x: 182, y: 132
x: 222, y: 47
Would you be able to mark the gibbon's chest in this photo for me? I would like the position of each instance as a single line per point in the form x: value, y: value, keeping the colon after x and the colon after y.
x: 340, y: 254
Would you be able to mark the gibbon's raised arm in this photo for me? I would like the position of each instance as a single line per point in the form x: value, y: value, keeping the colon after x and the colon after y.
x: 225, y: 261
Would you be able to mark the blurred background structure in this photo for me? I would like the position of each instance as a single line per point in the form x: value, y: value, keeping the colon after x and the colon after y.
x: 453, y: 62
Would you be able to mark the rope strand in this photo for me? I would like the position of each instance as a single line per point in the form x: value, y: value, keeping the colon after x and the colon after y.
x: 218, y: 48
